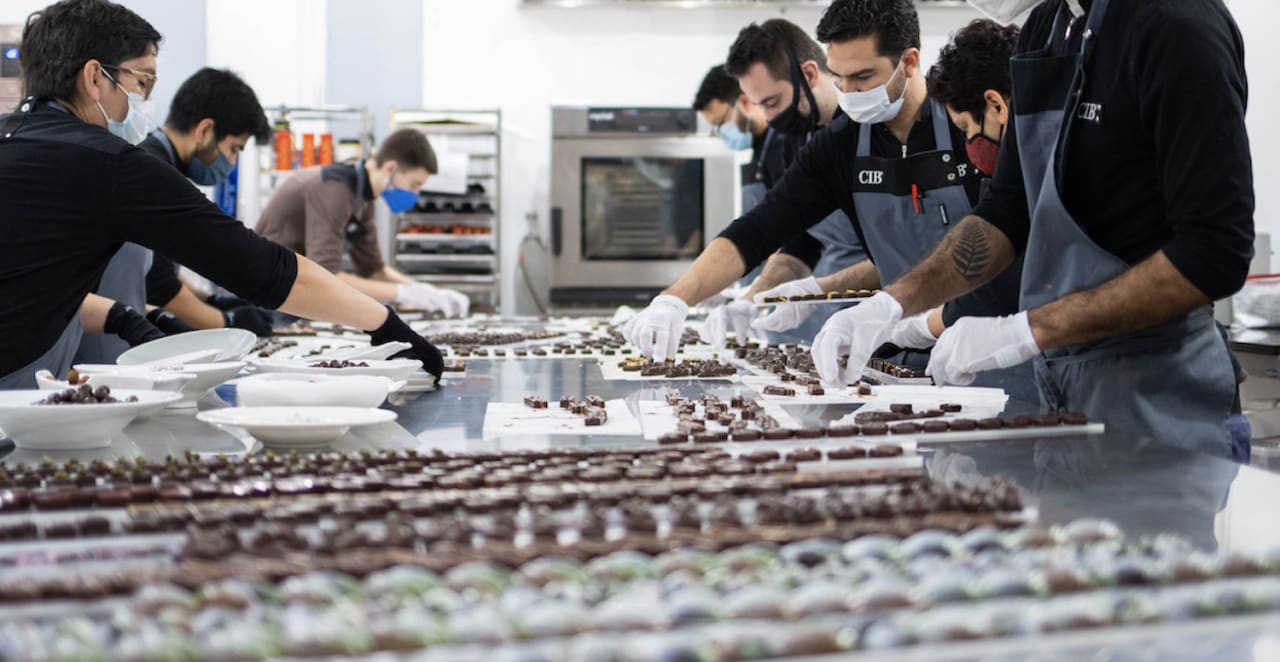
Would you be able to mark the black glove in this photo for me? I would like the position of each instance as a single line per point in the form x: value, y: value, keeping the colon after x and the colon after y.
x: 168, y: 322
x: 394, y: 329
x: 249, y: 318
x: 130, y: 326
x: 226, y: 301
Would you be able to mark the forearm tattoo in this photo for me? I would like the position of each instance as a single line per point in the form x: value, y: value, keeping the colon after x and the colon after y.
x: 971, y: 252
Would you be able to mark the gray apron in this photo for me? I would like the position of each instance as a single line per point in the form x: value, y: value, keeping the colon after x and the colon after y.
x: 1172, y: 382
x: 58, y: 358
x: 903, y: 225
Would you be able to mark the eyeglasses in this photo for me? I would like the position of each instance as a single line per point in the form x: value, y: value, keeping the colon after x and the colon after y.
x: 145, y: 79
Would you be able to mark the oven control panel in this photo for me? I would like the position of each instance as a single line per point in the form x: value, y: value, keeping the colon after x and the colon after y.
x: 625, y: 121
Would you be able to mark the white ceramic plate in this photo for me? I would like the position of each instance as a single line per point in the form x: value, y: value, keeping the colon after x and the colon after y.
x: 206, y: 376
x: 299, y: 390
x: 394, y: 369
x: 296, y: 427
x: 231, y: 345
x: 72, y: 427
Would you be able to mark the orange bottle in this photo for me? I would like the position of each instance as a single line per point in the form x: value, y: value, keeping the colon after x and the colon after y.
x: 308, y: 150
x: 326, y: 149
x: 284, y: 150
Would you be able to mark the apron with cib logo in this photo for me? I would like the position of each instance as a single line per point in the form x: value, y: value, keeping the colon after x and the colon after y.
x: 906, y: 205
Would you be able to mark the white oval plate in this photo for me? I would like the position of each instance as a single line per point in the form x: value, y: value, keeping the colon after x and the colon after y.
x: 72, y: 427
x: 296, y: 427
x: 230, y: 344
x: 299, y: 390
x: 394, y: 369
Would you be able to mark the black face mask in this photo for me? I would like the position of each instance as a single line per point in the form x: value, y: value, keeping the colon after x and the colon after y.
x: 791, y: 122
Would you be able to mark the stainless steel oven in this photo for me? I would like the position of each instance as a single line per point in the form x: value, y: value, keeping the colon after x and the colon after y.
x: 636, y: 194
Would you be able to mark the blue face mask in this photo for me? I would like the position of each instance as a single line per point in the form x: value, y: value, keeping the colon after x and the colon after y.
x: 398, y: 199
x: 734, y: 138
x: 210, y: 175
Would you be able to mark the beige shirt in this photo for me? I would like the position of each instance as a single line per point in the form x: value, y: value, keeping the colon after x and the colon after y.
x: 309, y: 214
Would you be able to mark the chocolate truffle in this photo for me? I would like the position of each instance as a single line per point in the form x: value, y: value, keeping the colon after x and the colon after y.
x: 886, y: 450
x: 846, y: 453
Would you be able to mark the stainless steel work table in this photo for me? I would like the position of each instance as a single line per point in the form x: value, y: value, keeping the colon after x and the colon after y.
x: 1144, y: 486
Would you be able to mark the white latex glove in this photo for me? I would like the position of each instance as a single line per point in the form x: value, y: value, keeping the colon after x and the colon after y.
x: 858, y: 331
x: 734, y: 316
x: 975, y: 344
x: 432, y: 298
x: 657, y: 329
x: 787, y: 317
x: 461, y: 303
x: 913, y: 333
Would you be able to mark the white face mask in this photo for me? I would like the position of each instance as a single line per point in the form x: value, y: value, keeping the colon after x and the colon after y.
x: 1004, y: 11
x: 872, y: 106
x: 137, y: 123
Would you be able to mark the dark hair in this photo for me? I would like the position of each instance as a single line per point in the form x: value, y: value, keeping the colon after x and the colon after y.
x: 894, y: 23
x: 976, y: 60
x: 226, y: 99
x: 767, y: 43
x: 717, y: 85
x: 409, y: 149
x: 58, y: 40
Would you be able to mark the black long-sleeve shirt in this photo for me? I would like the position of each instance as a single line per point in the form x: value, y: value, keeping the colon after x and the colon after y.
x: 70, y: 194
x: 1159, y: 157
x: 162, y: 278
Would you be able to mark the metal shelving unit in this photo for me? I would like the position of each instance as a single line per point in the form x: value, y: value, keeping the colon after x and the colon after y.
x: 452, y: 240
x: 352, y: 130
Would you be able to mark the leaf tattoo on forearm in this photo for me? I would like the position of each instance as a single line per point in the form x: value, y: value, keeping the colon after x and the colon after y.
x: 971, y: 253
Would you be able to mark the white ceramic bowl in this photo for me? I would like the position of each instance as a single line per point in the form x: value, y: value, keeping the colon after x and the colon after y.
x: 204, y: 376
x: 296, y: 427
x: 307, y: 390
x: 138, y: 381
x: 394, y: 369
x: 230, y: 344
x: 72, y: 427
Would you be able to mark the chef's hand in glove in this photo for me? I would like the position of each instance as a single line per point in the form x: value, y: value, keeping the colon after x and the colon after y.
x: 129, y: 325
x: 734, y: 316
x: 225, y: 301
x: 785, y: 318
x: 168, y: 322
x: 432, y: 298
x: 657, y: 329
x: 913, y: 333
x: 395, y: 329
x: 249, y: 318
x: 975, y: 344
x: 857, y: 331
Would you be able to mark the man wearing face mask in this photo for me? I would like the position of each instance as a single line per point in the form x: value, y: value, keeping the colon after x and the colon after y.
x: 1125, y: 181
x: 325, y: 212
x: 212, y: 116
x: 894, y: 165
x: 783, y: 71
x: 971, y: 80
x: 738, y: 123
x: 73, y: 190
